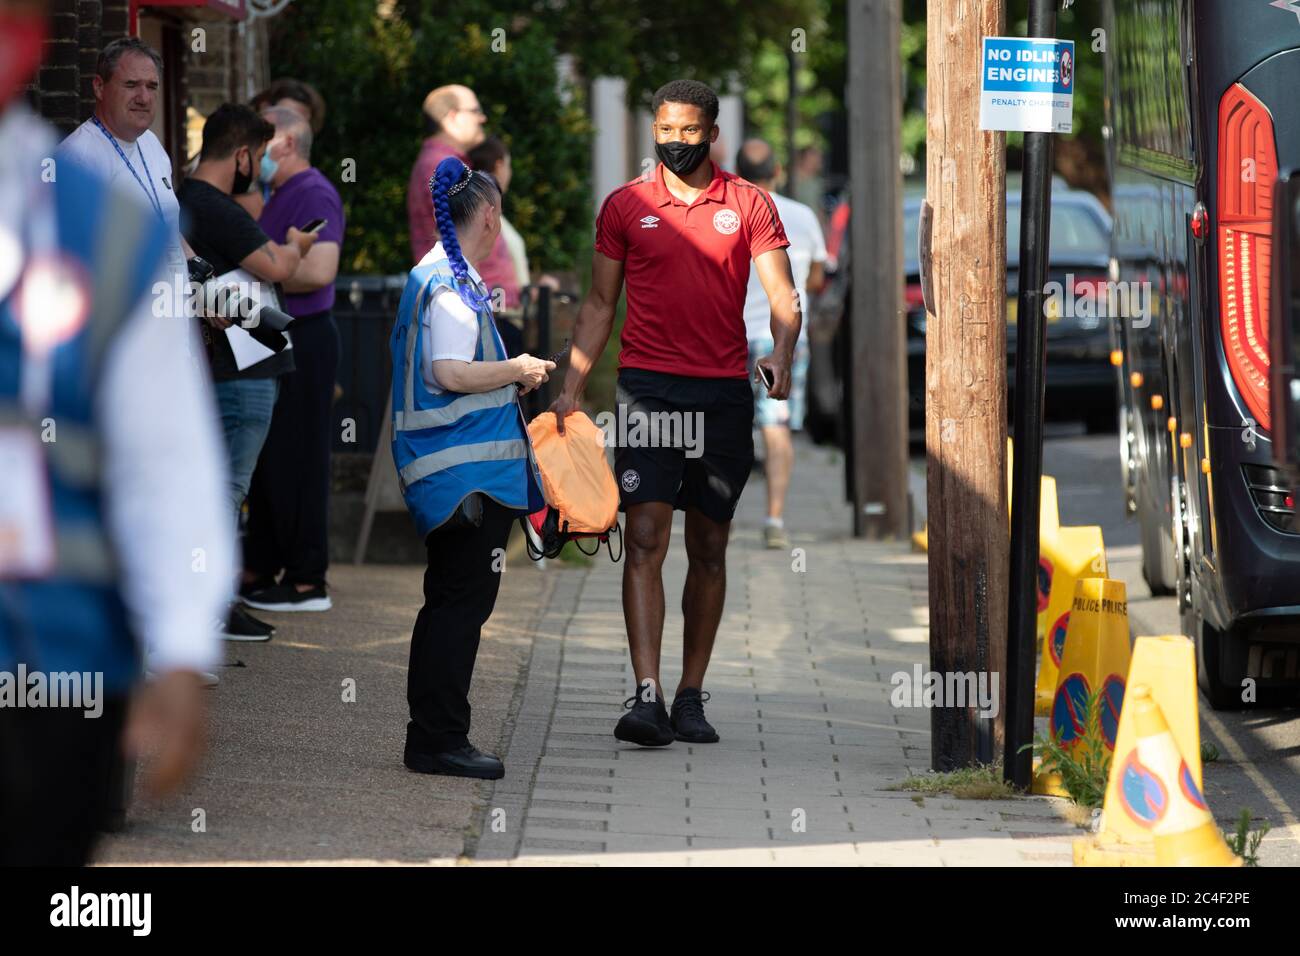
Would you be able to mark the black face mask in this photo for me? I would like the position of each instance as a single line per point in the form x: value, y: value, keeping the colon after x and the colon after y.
x: 682, y: 158
x: 243, y: 180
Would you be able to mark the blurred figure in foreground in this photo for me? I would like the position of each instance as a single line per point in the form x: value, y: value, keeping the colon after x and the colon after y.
x: 112, y: 530
x: 756, y: 162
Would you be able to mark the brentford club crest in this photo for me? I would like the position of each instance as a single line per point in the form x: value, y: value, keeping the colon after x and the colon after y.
x: 726, y: 221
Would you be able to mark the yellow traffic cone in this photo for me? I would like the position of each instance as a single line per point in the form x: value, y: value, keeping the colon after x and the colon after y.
x: 1161, y: 794
x: 1065, y: 557
x: 1095, y: 659
x: 1167, y: 666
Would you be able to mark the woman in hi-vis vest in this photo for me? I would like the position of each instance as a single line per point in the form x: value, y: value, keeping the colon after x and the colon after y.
x: 463, y: 460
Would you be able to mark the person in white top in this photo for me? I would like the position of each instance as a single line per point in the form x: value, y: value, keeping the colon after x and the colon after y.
x: 757, y: 163
x: 117, y: 143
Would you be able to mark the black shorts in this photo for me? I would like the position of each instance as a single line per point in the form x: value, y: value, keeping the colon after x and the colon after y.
x: 682, y: 440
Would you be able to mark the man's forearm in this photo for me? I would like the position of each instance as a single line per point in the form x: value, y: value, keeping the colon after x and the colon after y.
x: 785, y: 327
x: 590, y: 335
x: 311, y: 275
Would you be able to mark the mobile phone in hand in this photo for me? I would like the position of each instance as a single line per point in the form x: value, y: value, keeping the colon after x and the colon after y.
x: 315, y: 226
x: 764, y: 376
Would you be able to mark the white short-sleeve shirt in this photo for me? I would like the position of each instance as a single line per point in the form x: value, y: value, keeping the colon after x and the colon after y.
x: 90, y: 147
x: 807, y: 245
x: 450, y: 326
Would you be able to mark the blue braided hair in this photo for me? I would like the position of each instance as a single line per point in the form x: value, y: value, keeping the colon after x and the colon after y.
x: 458, y: 193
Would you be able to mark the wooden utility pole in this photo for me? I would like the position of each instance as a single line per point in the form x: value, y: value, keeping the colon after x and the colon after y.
x: 877, y: 432
x: 966, y: 377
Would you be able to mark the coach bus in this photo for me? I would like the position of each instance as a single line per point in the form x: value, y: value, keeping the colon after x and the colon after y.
x: 1202, y: 114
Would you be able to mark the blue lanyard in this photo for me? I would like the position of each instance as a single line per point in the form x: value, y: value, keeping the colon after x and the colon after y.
x: 157, y: 203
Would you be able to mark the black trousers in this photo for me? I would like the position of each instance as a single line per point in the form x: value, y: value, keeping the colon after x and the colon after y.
x: 59, y: 782
x: 460, y: 590
x: 288, y: 500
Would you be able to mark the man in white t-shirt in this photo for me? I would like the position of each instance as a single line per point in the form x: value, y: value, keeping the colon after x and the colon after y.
x: 117, y: 143
x: 757, y: 163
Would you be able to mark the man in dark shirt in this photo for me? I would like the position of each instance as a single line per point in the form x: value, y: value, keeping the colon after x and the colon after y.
x: 234, y: 139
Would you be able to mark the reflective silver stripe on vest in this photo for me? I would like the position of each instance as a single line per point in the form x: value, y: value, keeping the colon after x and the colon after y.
x: 411, y: 419
x: 438, y: 461
x: 434, y: 417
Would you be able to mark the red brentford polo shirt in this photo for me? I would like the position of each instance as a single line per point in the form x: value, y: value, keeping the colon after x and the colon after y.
x: 686, y: 269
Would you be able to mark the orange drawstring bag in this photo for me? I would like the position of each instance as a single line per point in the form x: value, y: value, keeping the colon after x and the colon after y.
x: 581, y: 494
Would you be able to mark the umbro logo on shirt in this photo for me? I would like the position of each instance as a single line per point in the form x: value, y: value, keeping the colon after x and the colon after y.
x: 650, y: 222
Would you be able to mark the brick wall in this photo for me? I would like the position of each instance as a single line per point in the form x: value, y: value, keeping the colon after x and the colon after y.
x: 90, y: 13
x: 63, y: 90
x: 59, y: 80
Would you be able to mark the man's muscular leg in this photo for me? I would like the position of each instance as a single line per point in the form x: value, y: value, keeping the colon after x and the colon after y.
x: 649, y: 527
x: 704, y: 593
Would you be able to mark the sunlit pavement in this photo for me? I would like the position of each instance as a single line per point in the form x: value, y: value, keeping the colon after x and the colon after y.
x: 801, y: 698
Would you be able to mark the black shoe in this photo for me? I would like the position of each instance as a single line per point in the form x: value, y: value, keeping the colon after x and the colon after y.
x: 467, y: 761
x: 688, y: 717
x: 249, y: 588
x: 645, y: 723
x: 286, y: 597
x: 242, y: 626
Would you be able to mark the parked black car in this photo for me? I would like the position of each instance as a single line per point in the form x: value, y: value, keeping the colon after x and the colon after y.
x: 1080, y: 380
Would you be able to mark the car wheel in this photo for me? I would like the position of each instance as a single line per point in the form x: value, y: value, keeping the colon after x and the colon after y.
x: 1157, y: 557
x: 1127, y: 459
x: 1159, y: 549
x: 1210, y: 649
x: 1210, y: 641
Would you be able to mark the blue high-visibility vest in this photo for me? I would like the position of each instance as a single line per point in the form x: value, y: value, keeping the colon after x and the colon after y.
x: 451, y: 444
x: 74, y: 620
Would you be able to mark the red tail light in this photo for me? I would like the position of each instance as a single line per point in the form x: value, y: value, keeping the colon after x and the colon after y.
x: 1247, y: 173
x: 1099, y: 285
x: 913, y: 297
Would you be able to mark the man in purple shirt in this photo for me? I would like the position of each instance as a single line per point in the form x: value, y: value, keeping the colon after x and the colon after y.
x: 288, y: 501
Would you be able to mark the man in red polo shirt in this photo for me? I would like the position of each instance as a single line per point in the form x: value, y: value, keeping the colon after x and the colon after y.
x: 682, y: 238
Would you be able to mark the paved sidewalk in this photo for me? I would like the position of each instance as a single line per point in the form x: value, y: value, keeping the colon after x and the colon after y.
x: 297, y: 774
x: 800, y: 685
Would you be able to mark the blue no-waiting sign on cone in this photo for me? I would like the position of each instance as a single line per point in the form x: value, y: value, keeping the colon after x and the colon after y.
x: 1027, y: 85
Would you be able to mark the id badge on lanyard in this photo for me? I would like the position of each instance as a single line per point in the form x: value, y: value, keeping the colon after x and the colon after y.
x: 50, y: 304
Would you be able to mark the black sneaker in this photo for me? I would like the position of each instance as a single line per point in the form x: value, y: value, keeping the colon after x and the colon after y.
x: 248, y: 588
x: 645, y: 723
x: 467, y: 761
x: 242, y: 626
x: 688, y: 717
x: 286, y: 597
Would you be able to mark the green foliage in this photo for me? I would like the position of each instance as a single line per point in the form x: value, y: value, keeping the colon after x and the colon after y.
x: 649, y: 42
x: 374, y: 69
x: 1244, y: 841
x: 981, y: 782
x: 1085, y: 765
